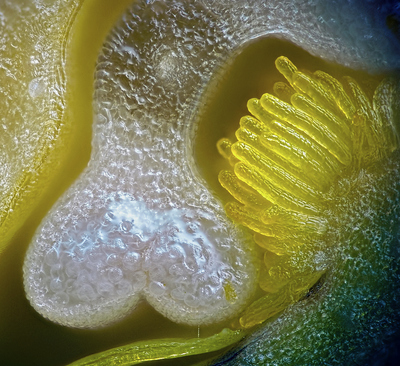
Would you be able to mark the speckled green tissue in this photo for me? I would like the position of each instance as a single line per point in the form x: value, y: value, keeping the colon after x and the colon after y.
x: 350, y: 320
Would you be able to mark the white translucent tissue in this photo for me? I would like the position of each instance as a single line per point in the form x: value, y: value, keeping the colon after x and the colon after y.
x: 140, y: 222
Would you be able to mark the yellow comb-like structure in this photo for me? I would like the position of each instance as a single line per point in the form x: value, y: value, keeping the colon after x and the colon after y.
x: 288, y: 161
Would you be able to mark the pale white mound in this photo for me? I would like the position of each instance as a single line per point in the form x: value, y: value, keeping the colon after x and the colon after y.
x: 101, y: 253
x: 139, y: 223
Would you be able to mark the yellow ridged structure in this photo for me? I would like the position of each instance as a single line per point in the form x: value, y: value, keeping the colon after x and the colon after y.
x: 287, y: 161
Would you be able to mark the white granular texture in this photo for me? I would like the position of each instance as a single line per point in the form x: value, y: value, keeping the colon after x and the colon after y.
x: 111, y: 250
x: 140, y: 223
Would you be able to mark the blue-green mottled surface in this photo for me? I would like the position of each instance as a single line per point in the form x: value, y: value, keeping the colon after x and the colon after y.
x: 354, y: 318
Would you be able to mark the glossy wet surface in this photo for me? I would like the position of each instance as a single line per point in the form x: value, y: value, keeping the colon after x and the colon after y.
x: 27, y: 338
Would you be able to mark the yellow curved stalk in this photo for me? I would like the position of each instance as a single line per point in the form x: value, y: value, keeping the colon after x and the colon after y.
x: 292, y: 153
x: 161, y: 349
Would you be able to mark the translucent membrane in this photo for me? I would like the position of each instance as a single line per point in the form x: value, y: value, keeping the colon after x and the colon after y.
x: 292, y: 156
x: 171, y: 51
x: 139, y: 224
x: 32, y: 109
x: 46, y: 93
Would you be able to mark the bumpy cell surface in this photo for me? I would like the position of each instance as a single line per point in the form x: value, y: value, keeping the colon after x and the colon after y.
x: 32, y: 93
x: 139, y: 222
